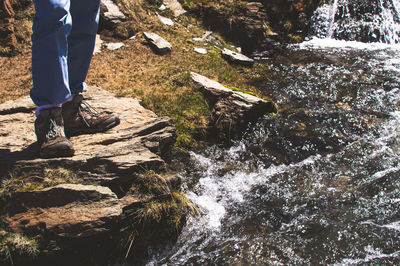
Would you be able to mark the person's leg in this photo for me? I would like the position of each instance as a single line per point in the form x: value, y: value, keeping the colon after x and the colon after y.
x: 81, y: 41
x: 79, y: 117
x: 51, y: 27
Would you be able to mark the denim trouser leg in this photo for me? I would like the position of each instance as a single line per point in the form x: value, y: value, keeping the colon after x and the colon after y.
x: 81, y: 41
x: 63, y: 38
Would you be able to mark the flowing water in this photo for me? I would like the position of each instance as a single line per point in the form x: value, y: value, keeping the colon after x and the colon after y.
x: 318, y: 183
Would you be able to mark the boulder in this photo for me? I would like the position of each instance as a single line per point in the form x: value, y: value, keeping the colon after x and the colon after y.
x: 237, y: 58
x: 141, y: 141
x: 231, y: 110
x: 157, y: 43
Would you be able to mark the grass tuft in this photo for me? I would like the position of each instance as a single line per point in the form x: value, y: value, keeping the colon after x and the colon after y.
x: 12, y: 182
x: 12, y: 244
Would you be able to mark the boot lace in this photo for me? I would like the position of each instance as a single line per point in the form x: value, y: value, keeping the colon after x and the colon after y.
x: 86, y: 108
x: 54, y: 130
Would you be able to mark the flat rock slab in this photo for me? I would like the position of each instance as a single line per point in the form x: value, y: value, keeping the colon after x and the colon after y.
x: 158, y: 44
x: 237, y: 58
x: 231, y: 110
x: 66, y: 210
x: 141, y: 141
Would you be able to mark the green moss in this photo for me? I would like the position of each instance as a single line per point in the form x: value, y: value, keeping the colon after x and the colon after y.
x: 240, y: 90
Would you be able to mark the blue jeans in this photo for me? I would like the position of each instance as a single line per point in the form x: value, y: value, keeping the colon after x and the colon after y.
x: 63, y: 39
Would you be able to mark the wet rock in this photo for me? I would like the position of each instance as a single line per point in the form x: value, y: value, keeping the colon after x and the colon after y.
x: 141, y: 141
x: 200, y: 50
x: 158, y: 44
x: 165, y: 21
x: 175, y: 6
x: 231, y: 110
x: 237, y: 58
x: 114, y: 46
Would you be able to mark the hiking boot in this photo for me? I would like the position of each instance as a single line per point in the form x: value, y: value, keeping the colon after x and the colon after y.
x: 81, y: 118
x: 49, y: 129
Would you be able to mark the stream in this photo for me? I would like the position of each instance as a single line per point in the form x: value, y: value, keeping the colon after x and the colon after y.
x: 319, y: 182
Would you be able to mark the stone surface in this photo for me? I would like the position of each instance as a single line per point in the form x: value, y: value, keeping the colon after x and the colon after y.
x: 165, y: 21
x: 141, y: 141
x: 208, y: 36
x: 158, y: 44
x: 237, y: 58
x: 200, y: 50
x: 112, y: 13
x: 99, y: 43
x: 84, y: 222
x: 231, y: 110
x: 66, y: 210
x: 114, y: 46
x: 175, y: 6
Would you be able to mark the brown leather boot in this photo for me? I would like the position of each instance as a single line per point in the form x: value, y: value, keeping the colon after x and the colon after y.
x: 81, y: 118
x: 49, y: 129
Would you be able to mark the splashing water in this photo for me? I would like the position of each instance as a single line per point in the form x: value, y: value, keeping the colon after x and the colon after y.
x: 358, y: 20
x: 319, y: 183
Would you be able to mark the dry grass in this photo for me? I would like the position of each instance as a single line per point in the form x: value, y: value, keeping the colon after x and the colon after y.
x: 161, y: 82
x: 12, y: 244
x: 175, y: 209
x: 47, y: 178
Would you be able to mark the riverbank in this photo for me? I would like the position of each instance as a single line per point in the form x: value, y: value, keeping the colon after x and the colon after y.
x: 163, y: 84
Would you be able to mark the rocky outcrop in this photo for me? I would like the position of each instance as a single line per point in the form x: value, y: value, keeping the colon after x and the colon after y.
x: 231, y: 110
x: 66, y: 210
x: 237, y: 58
x: 258, y: 25
x: 141, y: 141
x: 157, y: 43
x: 95, y: 204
